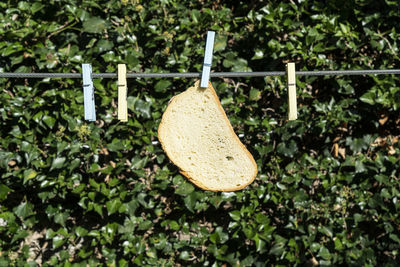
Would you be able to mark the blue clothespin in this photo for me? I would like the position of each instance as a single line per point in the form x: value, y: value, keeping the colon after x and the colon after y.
x: 88, y: 93
x: 205, y: 76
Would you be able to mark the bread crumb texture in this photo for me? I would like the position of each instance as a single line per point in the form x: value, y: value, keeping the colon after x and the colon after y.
x: 198, y: 137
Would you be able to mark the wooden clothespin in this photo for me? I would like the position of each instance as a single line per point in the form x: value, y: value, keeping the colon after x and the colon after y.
x: 88, y: 93
x: 205, y: 76
x: 122, y: 93
x: 291, y: 83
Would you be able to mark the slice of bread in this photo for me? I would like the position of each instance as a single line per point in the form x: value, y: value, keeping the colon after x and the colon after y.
x: 198, y: 137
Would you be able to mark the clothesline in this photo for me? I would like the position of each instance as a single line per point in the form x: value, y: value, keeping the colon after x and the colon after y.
x: 197, y: 74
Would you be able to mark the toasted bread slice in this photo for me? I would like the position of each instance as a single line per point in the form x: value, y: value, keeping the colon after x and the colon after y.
x: 198, y: 137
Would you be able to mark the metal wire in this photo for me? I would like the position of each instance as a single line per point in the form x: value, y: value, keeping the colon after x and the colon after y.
x: 198, y: 74
x: 346, y: 72
x: 140, y: 75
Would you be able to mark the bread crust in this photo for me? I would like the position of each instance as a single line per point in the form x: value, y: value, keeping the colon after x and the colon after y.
x: 236, y: 138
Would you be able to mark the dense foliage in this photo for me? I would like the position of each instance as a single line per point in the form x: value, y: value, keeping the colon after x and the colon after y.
x: 78, y: 193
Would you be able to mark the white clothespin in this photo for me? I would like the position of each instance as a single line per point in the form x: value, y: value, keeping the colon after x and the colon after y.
x: 88, y: 93
x: 291, y: 83
x: 205, y: 76
x: 122, y: 93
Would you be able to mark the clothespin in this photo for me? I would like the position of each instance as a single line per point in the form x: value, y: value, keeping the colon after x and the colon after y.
x: 88, y: 93
x: 291, y: 83
x: 122, y: 93
x: 205, y: 76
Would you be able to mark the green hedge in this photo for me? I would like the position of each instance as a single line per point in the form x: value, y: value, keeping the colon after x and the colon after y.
x: 74, y: 193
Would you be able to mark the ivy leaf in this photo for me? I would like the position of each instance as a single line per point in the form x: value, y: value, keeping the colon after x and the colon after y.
x: 184, y: 255
x: 50, y: 121
x: 162, y: 85
x: 29, y: 174
x: 368, y: 97
x: 254, y: 94
x: 338, y: 244
x: 80, y: 231
x: 4, y: 190
x: 219, y: 236
x: 190, y: 201
x: 220, y: 43
x: 113, y: 206
x: 24, y: 210
x: 277, y: 249
x: 144, y: 108
x: 326, y: 230
x: 61, y: 217
x: 235, y: 215
x: 356, y: 144
x: 324, y: 253
x: 184, y: 189
x: 36, y: 7
x: 116, y: 145
x: 57, y: 163
x: 94, y: 25
x: 287, y: 149
x: 58, y: 241
x: 145, y: 225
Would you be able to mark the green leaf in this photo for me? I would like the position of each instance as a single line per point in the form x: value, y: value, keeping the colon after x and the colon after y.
x: 385, y: 193
x: 258, y: 54
x: 94, y: 167
x: 162, y: 85
x: 235, y: 215
x: 132, y: 206
x: 190, y: 201
x: 94, y: 25
x: 24, y: 210
x: 220, y: 43
x: 260, y: 244
x: 104, y: 46
x: 326, y: 230
x: 61, y: 218
x: 58, y: 241
x: 29, y: 174
x: 4, y: 190
x: 184, y: 255
x: 174, y: 225
x: 315, y: 246
x: 277, y: 249
x: 80, y: 231
x: 113, y: 206
x: 145, y: 225
x: 19, y: 235
x: 236, y: 63
x: 395, y: 238
x: 255, y: 94
x: 359, y: 166
x: 57, y: 163
x: 99, y: 209
x: 74, y: 164
x: 36, y: 7
x: 338, y: 244
x: 324, y: 253
x: 368, y: 97
x: 50, y: 121
x: 116, y: 145
x: 288, y: 149
x: 219, y: 236
x: 184, y: 189
x: 144, y: 108
x: 357, y: 144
